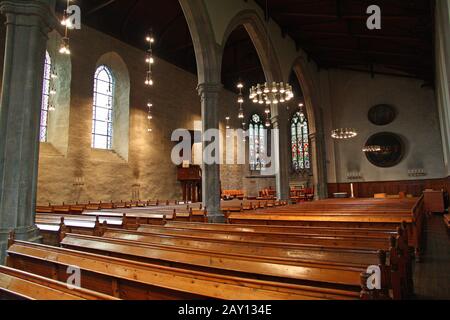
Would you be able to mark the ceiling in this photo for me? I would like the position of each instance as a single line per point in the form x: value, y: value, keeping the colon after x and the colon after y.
x: 335, y: 35
x: 332, y: 32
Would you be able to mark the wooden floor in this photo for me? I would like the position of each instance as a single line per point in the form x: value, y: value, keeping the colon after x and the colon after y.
x: 432, y: 276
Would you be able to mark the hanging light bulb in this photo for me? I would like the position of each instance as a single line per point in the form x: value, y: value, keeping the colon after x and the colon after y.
x: 240, y: 86
x: 65, y: 48
x: 228, y: 122
x: 241, y: 114
x: 53, y: 73
x: 149, y: 60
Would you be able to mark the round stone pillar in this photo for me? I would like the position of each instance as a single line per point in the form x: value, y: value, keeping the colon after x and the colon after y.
x: 281, y: 157
x: 209, y: 94
x: 27, y: 26
x: 317, y: 146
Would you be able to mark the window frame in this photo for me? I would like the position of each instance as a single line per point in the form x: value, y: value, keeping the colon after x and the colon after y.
x: 258, y: 128
x: 109, y: 109
x: 298, y: 142
x: 45, y: 96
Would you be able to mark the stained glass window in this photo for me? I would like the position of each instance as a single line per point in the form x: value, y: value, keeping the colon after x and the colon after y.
x: 300, y: 142
x: 257, y: 143
x: 43, y: 134
x: 102, y: 124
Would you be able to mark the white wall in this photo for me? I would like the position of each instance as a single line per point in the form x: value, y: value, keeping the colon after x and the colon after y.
x: 352, y: 94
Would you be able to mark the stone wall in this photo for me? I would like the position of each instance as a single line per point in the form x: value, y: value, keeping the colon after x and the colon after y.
x: 109, y: 175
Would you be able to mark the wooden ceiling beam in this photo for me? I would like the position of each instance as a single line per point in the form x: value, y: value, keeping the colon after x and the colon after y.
x: 100, y: 7
x: 314, y: 33
x: 370, y: 52
x: 346, y: 16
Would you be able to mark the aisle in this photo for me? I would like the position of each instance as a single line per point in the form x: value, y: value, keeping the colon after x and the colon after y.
x: 432, y: 276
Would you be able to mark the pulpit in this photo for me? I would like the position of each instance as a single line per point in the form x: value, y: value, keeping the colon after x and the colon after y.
x: 191, y: 182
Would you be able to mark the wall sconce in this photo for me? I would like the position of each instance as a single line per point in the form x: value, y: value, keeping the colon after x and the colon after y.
x: 417, y: 173
x: 79, y: 182
x: 354, y: 176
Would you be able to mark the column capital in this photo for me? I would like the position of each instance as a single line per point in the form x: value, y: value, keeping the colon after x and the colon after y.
x: 209, y: 88
x: 316, y: 135
x: 29, y: 13
x: 278, y: 120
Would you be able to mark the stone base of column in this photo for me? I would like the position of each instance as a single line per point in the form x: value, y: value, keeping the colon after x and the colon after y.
x: 216, y: 218
x: 30, y: 234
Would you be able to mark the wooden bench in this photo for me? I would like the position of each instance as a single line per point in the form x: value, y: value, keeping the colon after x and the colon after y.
x: 295, y: 216
x: 328, y: 275
x: 371, y: 232
x: 134, y: 219
x: 130, y: 279
x: 399, y: 261
x: 342, y: 241
x: 53, y: 229
x: 19, y: 285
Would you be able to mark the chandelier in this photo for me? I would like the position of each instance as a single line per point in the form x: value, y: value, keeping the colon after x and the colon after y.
x: 372, y: 149
x: 274, y: 93
x: 344, y: 133
x: 271, y: 94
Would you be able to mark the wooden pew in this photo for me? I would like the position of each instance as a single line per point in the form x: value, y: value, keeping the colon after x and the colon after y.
x: 388, y: 218
x: 400, y: 235
x: 284, y: 251
x: 381, y: 233
x: 114, y: 222
x: 341, y: 241
x: 130, y: 279
x: 19, y: 285
x: 330, y: 276
x: 134, y: 219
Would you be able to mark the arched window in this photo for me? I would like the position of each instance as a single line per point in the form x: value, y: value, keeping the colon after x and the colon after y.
x: 102, y: 124
x: 257, y: 143
x: 43, y: 133
x: 300, y: 142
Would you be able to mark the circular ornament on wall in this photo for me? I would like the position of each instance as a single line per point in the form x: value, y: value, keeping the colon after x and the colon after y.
x: 391, y: 151
x: 382, y: 114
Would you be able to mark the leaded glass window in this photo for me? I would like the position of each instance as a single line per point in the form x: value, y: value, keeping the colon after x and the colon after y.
x: 300, y: 142
x: 257, y: 143
x: 102, y: 118
x: 43, y: 132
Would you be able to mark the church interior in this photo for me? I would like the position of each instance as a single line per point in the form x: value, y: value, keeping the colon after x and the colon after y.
x: 224, y: 150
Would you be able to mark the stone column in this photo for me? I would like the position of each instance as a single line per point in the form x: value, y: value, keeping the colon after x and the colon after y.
x: 281, y: 158
x: 27, y: 26
x: 317, y: 147
x: 209, y: 94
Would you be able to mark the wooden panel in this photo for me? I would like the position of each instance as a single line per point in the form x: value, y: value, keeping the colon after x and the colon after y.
x: 368, y: 189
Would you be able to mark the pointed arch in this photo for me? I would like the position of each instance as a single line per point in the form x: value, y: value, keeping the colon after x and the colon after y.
x: 316, y: 129
x: 207, y: 51
x: 255, y: 28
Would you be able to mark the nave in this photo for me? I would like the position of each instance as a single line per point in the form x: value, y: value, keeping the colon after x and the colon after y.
x: 224, y: 150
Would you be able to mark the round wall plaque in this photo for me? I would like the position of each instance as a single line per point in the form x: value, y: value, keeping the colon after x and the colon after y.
x: 382, y: 114
x: 391, y: 151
